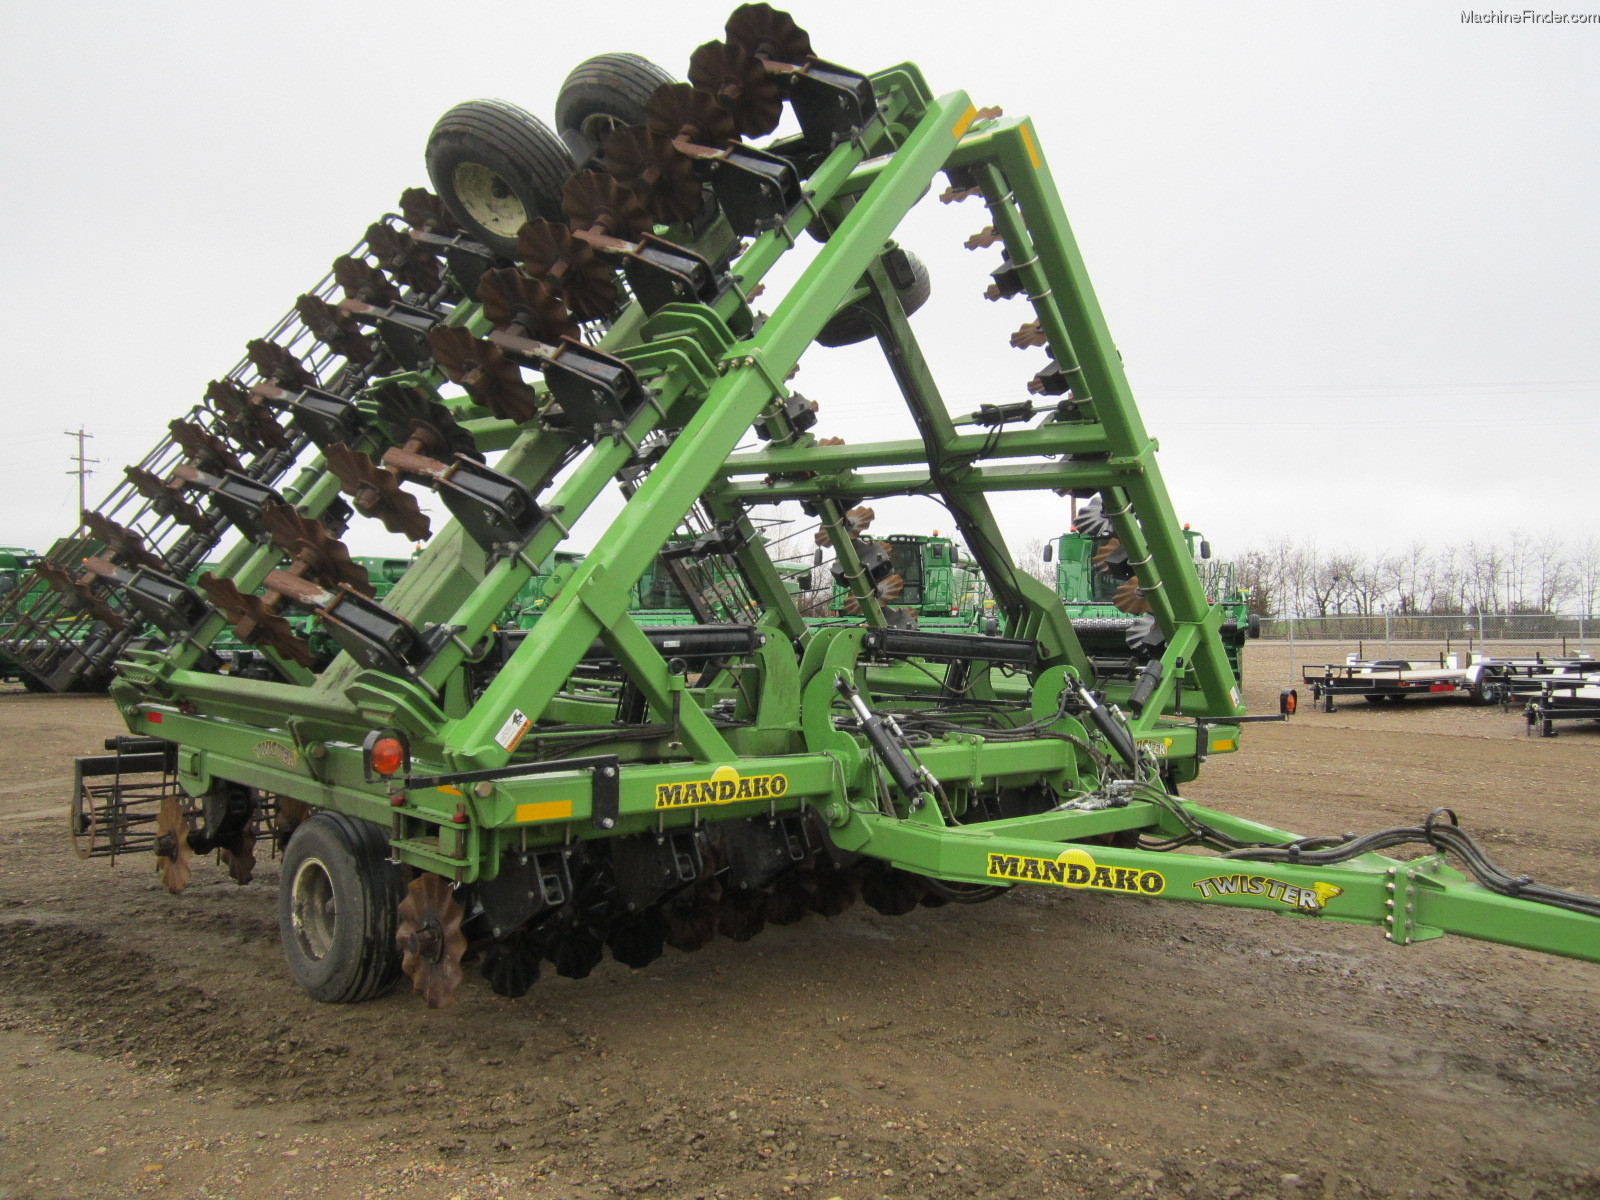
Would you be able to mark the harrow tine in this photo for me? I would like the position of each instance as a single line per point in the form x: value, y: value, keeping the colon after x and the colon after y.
x: 569, y: 266
x: 377, y: 493
x: 650, y: 165
x: 335, y: 329
x: 741, y: 84
x: 488, y: 376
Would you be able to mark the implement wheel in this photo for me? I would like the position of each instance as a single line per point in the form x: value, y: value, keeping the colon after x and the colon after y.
x: 912, y: 285
x: 337, y: 904
x: 602, y: 95
x: 497, y: 167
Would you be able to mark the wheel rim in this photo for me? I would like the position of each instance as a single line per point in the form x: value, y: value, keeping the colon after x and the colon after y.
x: 315, y: 912
x: 489, y: 200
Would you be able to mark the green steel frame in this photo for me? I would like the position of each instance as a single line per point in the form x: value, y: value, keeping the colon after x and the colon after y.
x: 792, y: 747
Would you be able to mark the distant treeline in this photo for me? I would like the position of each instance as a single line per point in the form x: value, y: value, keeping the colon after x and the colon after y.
x: 1522, y: 575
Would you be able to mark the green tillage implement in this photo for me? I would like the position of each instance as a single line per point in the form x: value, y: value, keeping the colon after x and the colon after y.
x: 591, y: 783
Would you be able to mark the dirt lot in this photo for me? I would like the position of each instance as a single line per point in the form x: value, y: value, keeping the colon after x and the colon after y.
x: 1045, y: 1045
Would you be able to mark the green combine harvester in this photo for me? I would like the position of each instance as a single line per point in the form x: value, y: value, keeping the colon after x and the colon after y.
x: 1108, y: 608
x: 928, y: 586
x: 573, y: 312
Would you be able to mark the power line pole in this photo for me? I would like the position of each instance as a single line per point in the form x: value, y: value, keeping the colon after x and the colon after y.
x: 82, y: 470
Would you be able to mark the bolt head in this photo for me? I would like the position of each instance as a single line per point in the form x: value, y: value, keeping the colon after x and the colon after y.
x: 607, y: 823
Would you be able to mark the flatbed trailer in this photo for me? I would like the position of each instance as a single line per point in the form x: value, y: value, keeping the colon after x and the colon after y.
x: 1564, y: 696
x: 1389, y: 680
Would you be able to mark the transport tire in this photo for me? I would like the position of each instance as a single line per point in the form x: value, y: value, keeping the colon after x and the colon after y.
x: 338, y: 902
x: 497, y: 167
x: 601, y: 95
x: 1373, y: 699
x: 851, y: 325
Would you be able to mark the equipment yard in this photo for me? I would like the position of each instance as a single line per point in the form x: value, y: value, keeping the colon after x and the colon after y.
x: 1048, y: 1044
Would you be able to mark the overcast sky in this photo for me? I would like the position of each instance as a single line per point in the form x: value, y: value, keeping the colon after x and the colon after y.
x: 1350, y: 252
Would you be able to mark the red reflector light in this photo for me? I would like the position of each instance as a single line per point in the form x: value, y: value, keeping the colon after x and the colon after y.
x: 388, y: 756
x: 155, y: 718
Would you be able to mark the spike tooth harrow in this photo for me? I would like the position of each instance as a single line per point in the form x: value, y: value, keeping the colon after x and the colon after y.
x: 586, y: 782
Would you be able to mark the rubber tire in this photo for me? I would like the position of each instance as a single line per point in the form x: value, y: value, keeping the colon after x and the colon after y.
x: 602, y: 94
x: 1373, y: 699
x: 851, y: 325
x: 499, y: 145
x: 362, y: 960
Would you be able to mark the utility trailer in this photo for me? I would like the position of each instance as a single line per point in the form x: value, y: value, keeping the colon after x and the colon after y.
x: 580, y: 310
x: 1570, y: 692
x: 1393, y: 680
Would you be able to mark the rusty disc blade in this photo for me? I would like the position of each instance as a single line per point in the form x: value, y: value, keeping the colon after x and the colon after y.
x: 414, y: 417
x: 308, y: 541
x: 740, y: 84
x: 1130, y: 598
x: 334, y: 329
x: 681, y: 110
x: 165, y: 498
x: 240, y: 857
x: 412, y: 263
x: 277, y: 365
x: 377, y: 493
x: 426, y: 212
x: 568, y: 266
x: 204, y: 450
x: 430, y: 939
x: 490, y: 378
x: 513, y: 301
x: 247, y: 420
x: 80, y: 596
x: 651, y: 167
x: 172, y: 845
x: 593, y: 200
x: 364, y: 282
x: 123, y: 545
x: 768, y: 32
x: 254, y: 621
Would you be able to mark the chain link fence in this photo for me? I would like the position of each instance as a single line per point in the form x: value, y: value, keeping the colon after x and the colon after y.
x: 1383, y: 636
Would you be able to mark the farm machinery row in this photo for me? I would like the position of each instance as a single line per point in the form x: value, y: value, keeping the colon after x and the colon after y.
x: 573, y: 314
